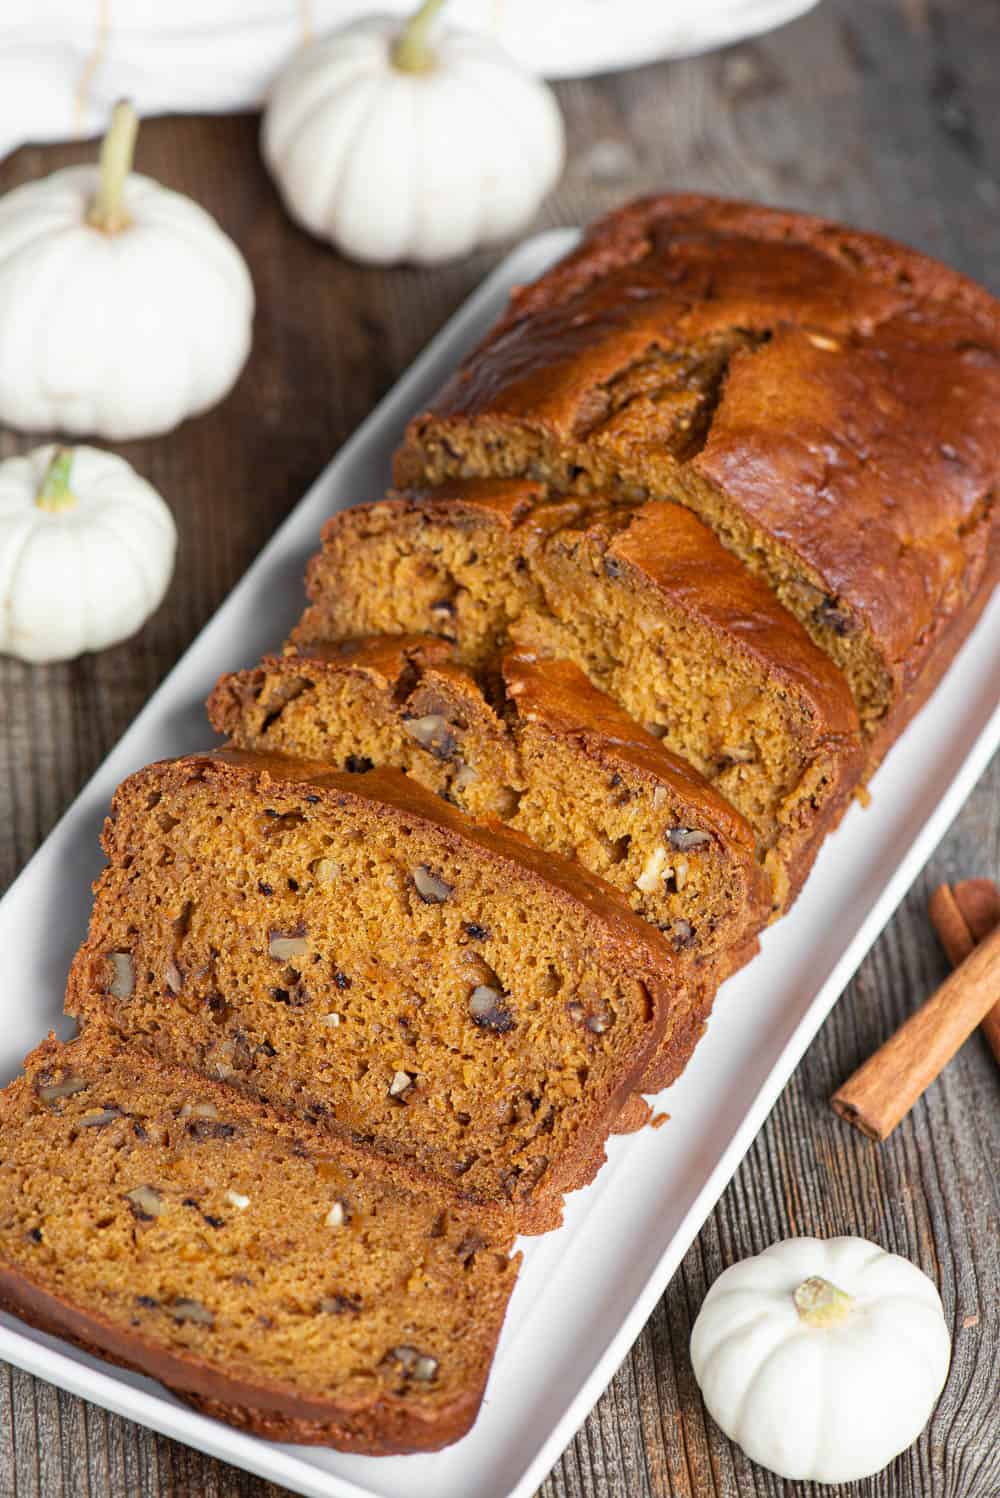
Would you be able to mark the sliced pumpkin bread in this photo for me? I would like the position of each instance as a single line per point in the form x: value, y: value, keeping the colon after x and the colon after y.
x: 298, y: 1289
x: 646, y: 602
x: 353, y: 950
x: 541, y: 749
x: 824, y: 399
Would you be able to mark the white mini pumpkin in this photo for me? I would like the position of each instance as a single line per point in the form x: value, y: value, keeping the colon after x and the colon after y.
x: 395, y: 150
x: 123, y: 306
x: 86, y: 552
x: 823, y: 1359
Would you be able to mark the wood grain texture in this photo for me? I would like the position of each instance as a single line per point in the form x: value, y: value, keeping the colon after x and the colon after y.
x: 882, y: 112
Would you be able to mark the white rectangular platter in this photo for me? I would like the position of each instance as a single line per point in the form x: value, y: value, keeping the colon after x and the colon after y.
x: 585, y: 1291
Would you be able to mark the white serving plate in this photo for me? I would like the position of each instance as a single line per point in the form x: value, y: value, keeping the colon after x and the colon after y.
x: 586, y: 1290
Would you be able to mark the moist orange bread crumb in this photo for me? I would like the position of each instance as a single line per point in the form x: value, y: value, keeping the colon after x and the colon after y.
x: 646, y: 602
x: 354, y: 951
x: 300, y: 1290
x: 540, y: 748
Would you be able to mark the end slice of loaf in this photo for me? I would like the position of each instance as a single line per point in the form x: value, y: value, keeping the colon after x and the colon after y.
x: 545, y: 752
x: 351, y: 949
x: 646, y: 602
x: 300, y: 1292
x: 824, y: 399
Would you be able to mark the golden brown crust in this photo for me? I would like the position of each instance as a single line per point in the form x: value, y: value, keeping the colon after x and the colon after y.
x: 384, y: 1436
x: 949, y: 636
x: 386, y: 1429
x: 839, y: 430
x: 875, y: 461
x: 679, y: 267
x: 669, y: 550
x: 558, y: 695
x: 511, y: 504
x: 667, y: 1066
x: 878, y: 272
x: 383, y: 656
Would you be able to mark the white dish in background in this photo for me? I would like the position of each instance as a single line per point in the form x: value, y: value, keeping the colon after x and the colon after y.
x: 585, y: 1291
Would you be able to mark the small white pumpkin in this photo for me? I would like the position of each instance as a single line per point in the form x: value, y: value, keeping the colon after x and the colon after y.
x: 823, y: 1359
x: 86, y: 552
x: 123, y: 306
x: 394, y: 149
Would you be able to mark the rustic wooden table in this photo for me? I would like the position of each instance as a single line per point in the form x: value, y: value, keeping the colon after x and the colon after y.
x: 881, y: 112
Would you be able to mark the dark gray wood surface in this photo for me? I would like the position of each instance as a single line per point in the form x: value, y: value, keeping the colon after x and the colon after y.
x: 882, y: 112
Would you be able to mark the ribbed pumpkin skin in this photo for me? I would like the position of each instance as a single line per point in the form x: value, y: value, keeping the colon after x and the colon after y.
x: 84, y: 577
x: 116, y: 335
x: 821, y: 1403
x: 392, y: 166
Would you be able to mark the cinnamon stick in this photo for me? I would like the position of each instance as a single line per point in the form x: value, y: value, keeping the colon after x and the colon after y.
x: 884, y: 1089
x: 963, y: 916
x: 950, y: 924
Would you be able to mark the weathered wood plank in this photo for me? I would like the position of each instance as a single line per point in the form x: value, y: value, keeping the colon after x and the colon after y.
x: 876, y: 111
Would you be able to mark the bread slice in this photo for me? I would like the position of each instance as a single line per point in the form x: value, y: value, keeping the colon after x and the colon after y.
x: 300, y: 1290
x: 646, y: 602
x: 824, y: 399
x: 351, y: 949
x: 547, y: 753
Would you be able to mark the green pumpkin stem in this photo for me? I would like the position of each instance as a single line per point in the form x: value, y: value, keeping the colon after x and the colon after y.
x: 821, y: 1304
x: 107, y: 212
x: 411, y: 52
x: 55, y: 493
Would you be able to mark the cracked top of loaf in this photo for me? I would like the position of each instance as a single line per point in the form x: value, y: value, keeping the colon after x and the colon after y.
x: 824, y: 398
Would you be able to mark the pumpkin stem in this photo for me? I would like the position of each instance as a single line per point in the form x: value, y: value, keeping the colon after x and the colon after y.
x: 117, y: 149
x: 821, y: 1304
x: 411, y: 51
x: 55, y: 493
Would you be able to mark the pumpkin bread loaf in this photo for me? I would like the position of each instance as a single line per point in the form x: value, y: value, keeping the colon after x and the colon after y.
x: 542, y: 749
x: 824, y: 399
x: 643, y: 599
x: 351, y: 949
x: 297, y: 1289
